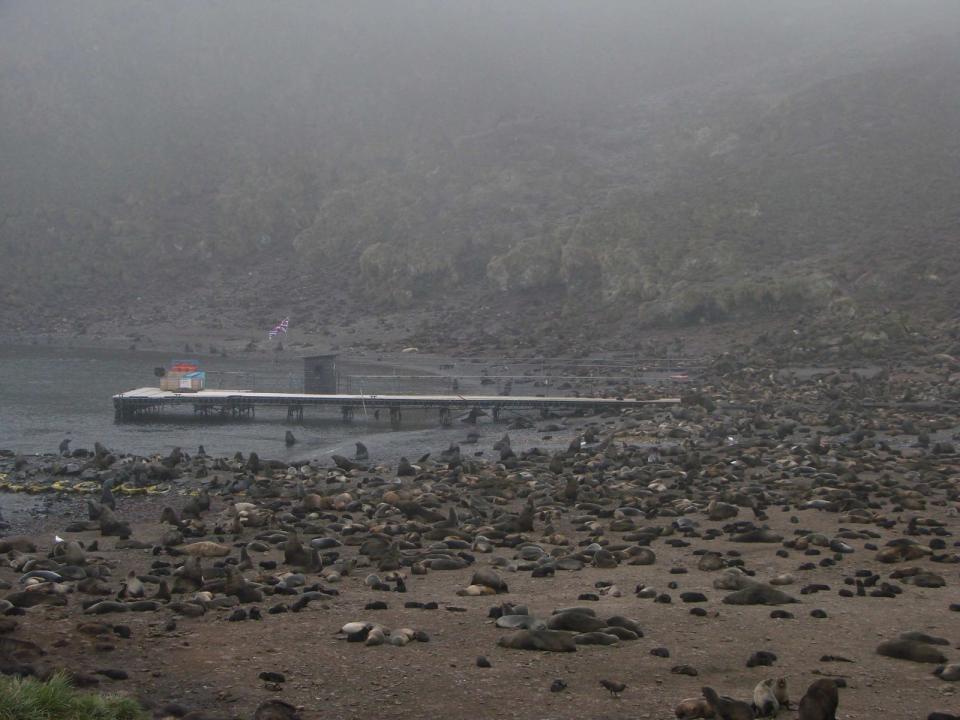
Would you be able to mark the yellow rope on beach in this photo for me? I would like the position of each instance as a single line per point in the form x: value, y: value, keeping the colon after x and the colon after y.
x: 86, y: 486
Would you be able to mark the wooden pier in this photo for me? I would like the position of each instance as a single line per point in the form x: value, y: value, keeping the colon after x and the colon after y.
x: 145, y: 402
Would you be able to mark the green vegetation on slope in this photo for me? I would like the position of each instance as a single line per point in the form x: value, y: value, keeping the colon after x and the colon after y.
x: 55, y: 699
x: 624, y: 160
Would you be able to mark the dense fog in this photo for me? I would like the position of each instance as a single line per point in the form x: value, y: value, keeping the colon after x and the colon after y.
x: 619, y: 149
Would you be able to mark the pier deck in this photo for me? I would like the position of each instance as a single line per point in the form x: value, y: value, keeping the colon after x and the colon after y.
x: 148, y: 401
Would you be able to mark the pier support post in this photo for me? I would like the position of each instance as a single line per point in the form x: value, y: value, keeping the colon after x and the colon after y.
x: 295, y: 412
x: 395, y: 418
x: 445, y: 419
x: 495, y: 411
x: 347, y: 412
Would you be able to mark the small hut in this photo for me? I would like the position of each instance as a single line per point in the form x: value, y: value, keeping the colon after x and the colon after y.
x: 320, y: 375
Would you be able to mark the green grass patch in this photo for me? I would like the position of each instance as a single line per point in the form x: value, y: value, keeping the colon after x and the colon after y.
x: 57, y: 699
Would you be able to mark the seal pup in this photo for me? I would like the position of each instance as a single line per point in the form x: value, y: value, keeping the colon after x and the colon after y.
x: 169, y: 515
x: 274, y: 709
x: 196, y: 505
x: 950, y: 672
x: 780, y: 691
x: 765, y: 702
x: 132, y: 587
x: 727, y: 708
x: 615, y: 688
x: 405, y: 469
x: 820, y: 701
x: 693, y: 708
x: 107, y: 499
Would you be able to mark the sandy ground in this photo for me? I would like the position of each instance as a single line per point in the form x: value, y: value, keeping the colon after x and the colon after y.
x: 214, y: 664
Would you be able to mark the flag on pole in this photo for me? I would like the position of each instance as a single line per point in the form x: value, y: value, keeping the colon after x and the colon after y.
x: 280, y: 327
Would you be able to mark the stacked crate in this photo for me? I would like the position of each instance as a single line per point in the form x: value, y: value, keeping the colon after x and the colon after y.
x: 183, y: 376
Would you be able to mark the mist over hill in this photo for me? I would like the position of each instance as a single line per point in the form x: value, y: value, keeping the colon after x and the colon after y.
x: 646, y: 163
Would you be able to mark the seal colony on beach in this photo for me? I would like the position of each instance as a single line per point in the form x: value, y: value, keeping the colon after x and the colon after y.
x: 649, y: 560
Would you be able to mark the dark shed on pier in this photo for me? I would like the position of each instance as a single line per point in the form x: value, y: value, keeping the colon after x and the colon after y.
x: 320, y: 375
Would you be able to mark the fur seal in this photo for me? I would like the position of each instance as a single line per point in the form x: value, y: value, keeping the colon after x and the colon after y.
x: 596, y: 638
x: 547, y: 640
x: 761, y: 658
x: 19, y: 543
x: 619, y: 632
x: 274, y: 709
x: 693, y: 709
x: 111, y: 525
x: 613, y: 687
x: 911, y: 650
x: 625, y: 623
x: 132, y: 587
x: 520, y: 622
x: 711, y: 562
x: 820, y: 701
x: 781, y: 693
x: 949, y: 672
x: 578, y: 622
x: 727, y: 708
x: 489, y: 578
x: 924, y: 638
x: 759, y: 594
x: 765, y: 702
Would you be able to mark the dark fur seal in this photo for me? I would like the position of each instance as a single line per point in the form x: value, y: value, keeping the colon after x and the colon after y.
x: 911, y: 650
x: 727, y: 708
x: 820, y: 701
x: 547, y: 640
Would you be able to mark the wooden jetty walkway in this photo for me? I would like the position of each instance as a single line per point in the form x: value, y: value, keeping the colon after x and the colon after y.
x: 149, y: 401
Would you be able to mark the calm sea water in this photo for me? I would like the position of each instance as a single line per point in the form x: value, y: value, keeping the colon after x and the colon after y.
x: 50, y: 393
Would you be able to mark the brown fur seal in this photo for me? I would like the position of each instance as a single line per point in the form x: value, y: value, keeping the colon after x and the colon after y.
x: 727, y: 708
x: 759, y: 594
x: 274, y: 709
x: 911, y: 650
x: 549, y: 640
x: 820, y: 701
x: 780, y: 691
x: 694, y: 708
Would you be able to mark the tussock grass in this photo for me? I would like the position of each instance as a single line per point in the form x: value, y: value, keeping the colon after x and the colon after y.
x: 57, y: 699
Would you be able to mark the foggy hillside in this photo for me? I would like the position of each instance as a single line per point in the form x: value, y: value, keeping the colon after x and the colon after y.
x: 654, y: 162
